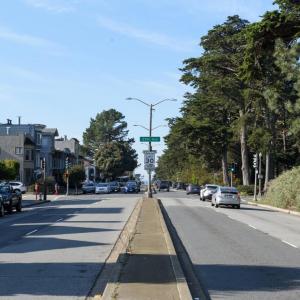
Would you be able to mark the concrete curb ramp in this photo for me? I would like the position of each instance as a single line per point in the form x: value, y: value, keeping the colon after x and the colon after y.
x: 148, y: 267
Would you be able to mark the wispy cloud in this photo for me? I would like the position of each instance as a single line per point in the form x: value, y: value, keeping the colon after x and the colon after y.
x: 30, y: 40
x: 146, y: 36
x: 56, y: 6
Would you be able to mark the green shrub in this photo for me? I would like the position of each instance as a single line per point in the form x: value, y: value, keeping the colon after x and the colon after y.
x: 246, y: 190
x: 284, y: 191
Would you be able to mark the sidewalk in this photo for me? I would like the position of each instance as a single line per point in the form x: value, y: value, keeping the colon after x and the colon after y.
x: 151, y: 269
x: 29, y: 199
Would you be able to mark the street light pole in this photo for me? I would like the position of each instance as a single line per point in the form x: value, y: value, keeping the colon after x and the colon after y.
x: 150, y: 149
x: 150, y: 133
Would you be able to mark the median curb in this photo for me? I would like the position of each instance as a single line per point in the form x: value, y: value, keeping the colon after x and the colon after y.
x: 182, y: 286
x: 107, y: 279
x: 286, y: 211
x: 110, y: 284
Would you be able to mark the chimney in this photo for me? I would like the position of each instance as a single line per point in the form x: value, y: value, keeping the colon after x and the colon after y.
x: 66, y: 138
x: 8, y: 121
x: 19, y: 120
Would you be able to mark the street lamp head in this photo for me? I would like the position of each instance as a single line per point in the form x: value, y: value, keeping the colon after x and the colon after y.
x: 128, y: 98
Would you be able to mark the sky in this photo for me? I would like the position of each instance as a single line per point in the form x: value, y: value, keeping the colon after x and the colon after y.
x: 63, y: 61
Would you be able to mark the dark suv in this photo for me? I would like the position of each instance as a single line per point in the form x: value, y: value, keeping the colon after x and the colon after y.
x: 9, y: 199
x: 163, y: 185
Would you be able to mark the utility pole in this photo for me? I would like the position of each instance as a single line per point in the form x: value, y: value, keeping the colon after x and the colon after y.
x: 67, y: 175
x: 150, y: 149
x: 259, y: 175
x: 44, y: 174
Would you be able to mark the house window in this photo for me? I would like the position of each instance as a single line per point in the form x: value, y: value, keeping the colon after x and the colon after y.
x: 27, y: 155
x: 19, y: 150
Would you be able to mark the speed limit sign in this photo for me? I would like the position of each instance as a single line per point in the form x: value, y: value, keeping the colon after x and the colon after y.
x: 149, y: 160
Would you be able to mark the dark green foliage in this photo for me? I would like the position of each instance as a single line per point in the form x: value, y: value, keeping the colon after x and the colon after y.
x: 9, y: 169
x: 106, y: 140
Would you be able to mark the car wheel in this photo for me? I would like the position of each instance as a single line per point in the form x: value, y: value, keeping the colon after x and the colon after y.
x: 217, y: 205
x: 17, y: 190
x: 238, y: 206
x: 10, y: 207
x: 1, y: 210
x: 212, y: 204
x: 19, y: 206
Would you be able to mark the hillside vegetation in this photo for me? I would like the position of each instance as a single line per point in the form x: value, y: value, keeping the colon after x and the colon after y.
x: 284, y: 191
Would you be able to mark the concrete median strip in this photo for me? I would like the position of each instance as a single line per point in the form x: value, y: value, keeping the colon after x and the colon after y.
x: 143, y: 264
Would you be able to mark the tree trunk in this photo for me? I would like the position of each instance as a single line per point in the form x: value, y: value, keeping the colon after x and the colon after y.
x: 244, y: 151
x: 267, y: 171
x: 225, y: 167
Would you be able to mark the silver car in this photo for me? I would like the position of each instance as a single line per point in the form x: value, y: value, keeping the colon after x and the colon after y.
x: 226, y: 196
x: 103, y: 188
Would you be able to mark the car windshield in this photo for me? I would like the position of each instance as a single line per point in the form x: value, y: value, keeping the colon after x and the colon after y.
x: 194, y: 186
x: 229, y: 191
x: 102, y: 184
x: 164, y: 182
x: 132, y: 183
x: 4, y: 189
x: 211, y: 187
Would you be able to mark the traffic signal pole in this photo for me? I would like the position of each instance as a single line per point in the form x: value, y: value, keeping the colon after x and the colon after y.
x: 255, y: 161
x: 45, y: 186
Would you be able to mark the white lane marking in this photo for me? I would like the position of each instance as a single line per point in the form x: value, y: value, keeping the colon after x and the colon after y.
x: 59, y: 220
x: 252, y: 226
x: 31, y: 232
x: 289, y: 244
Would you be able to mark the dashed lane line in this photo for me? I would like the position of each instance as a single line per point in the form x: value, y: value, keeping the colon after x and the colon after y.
x: 31, y: 232
x: 292, y: 245
x: 252, y: 226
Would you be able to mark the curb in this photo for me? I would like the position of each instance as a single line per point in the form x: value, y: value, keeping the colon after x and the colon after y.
x: 287, y: 211
x: 36, y: 203
x: 182, y: 286
x: 107, y: 279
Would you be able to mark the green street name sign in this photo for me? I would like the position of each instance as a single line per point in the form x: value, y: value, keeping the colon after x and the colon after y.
x: 148, y: 139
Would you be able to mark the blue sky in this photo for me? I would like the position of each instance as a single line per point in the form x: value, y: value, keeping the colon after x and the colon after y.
x: 62, y: 61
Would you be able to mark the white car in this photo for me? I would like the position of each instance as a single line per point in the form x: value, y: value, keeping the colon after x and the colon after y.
x: 18, y: 186
x: 207, y: 192
x: 226, y: 196
x: 103, y: 188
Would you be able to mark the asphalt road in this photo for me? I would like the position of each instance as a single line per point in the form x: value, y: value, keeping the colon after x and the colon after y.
x: 56, y: 250
x: 251, y: 253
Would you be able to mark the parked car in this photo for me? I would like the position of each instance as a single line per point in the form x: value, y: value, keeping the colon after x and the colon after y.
x: 103, y: 188
x: 131, y: 187
x: 180, y: 186
x: 227, y: 196
x: 163, y: 185
x: 88, y: 187
x: 18, y: 186
x: 10, y: 199
x: 193, y: 189
x: 115, y: 186
x: 207, y: 192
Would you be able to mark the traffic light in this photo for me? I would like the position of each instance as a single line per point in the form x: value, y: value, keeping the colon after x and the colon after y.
x: 43, y: 164
x: 67, y: 163
x: 233, y: 167
x: 255, y: 161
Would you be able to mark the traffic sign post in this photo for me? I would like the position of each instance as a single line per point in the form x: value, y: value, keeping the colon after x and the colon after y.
x: 149, y: 139
x: 255, y: 161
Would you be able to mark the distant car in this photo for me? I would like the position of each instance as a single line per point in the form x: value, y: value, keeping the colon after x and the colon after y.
x: 88, y: 187
x: 180, y: 186
x: 131, y: 187
x: 227, y: 196
x: 103, y: 188
x: 193, y: 189
x: 207, y: 192
x: 18, y: 186
x: 10, y: 199
x: 114, y: 186
x: 163, y: 185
